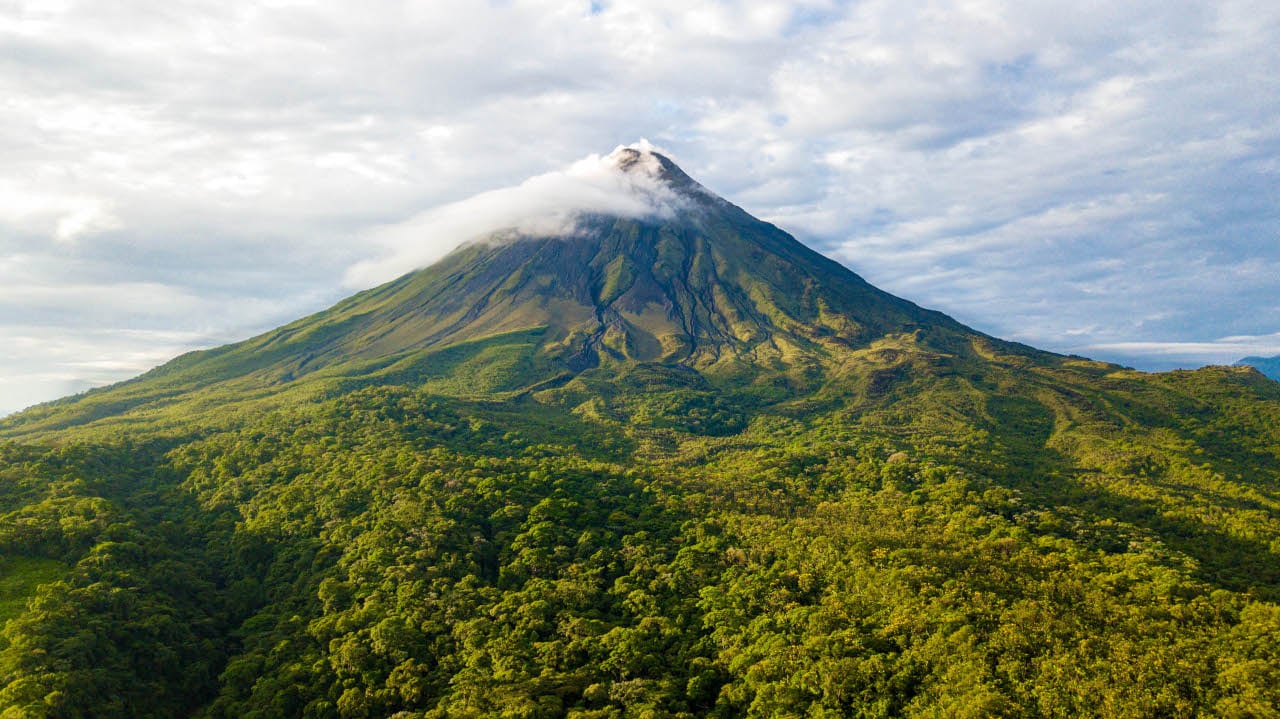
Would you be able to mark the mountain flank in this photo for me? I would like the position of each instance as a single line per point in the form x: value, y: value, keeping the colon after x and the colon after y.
x: 708, y: 288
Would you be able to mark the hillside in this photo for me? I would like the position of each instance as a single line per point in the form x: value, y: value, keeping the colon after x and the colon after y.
x: 669, y: 465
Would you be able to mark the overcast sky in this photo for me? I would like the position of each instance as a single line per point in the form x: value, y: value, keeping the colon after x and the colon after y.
x: 1092, y: 177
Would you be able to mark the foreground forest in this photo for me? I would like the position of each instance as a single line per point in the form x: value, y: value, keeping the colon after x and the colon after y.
x: 390, y: 552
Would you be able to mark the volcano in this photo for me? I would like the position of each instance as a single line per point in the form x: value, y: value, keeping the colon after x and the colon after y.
x: 693, y: 283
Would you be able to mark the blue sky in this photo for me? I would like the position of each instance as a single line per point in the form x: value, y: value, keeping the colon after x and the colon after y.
x: 1098, y: 178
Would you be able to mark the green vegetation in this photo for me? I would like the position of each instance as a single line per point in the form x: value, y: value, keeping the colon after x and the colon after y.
x: 715, y: 478
x: 20, y: 576
x: 935, y: 551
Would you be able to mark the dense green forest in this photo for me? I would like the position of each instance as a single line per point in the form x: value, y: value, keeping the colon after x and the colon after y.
x: 390, y: 552
x: 676, y: 469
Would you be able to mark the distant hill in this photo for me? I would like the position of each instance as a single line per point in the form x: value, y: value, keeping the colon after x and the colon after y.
x: 672, y: 464
x: 1270, y: 366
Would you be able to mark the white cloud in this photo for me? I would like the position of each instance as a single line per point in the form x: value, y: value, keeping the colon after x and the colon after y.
x: 64, y: 217
x: 1225, y: 350
x: 547, y: 205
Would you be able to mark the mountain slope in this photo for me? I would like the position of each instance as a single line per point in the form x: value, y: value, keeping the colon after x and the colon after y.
x: 659, y: 464
x: 710, y: 288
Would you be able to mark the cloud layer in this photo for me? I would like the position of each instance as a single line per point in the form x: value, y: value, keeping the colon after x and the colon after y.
x: 546, y: 205
x: 1099, y: 178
